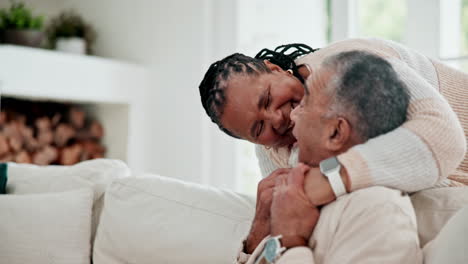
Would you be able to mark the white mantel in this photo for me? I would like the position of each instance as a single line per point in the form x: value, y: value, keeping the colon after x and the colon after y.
x: 56, y: 75
x: 114, y: 90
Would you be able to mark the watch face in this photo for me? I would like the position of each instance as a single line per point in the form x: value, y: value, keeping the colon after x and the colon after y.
x: 270, y: 250
x: 329, y: 164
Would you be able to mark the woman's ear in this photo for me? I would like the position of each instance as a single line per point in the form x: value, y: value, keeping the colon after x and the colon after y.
x: 338, y: 134
x: 272, y: 66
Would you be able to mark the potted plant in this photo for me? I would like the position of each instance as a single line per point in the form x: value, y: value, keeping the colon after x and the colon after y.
x: 69, y: 32
x: 18, y: 26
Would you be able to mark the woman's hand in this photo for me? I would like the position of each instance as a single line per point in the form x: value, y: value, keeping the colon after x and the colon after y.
x: 261, y: 223
x: 292, y: 214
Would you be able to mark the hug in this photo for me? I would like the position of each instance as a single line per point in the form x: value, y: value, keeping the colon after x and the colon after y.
x: 344, y: 135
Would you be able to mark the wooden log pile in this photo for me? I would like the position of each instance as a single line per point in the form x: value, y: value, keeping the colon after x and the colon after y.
x: 63, y: 136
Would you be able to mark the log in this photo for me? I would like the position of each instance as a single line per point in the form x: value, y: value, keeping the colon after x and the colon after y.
x: 45, y: 156
x: 11, y: 129
x: 70, y: 155
x: 97, y: 156
x: 45, y: 137
x: 4, y: 147
x: 26, y: 132
x: 63, y: 133
x: 3, y: 118
x: 21, y: 119
x: 92, y: 149
x: 16, y: 143
x: 43, y: 124
x: 77, y: 117
x: 31, y: 145
x: 96, y: 129
x: 7, y: 157
x: 56, y: 119
x: 22, y: 157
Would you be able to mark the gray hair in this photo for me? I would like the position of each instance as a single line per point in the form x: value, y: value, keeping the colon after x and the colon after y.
x: 367, y: 91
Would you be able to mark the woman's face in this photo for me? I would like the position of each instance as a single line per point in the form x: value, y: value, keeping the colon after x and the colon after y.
x: 258, y: 106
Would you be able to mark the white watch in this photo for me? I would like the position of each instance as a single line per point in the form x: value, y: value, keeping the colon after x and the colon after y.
x: 331, y: 169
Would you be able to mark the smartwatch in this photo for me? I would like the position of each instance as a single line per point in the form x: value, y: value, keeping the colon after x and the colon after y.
x: 272, y: 251
x: 330, y: 168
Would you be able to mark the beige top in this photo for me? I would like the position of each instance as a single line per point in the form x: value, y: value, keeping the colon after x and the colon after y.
x: 373, y: 225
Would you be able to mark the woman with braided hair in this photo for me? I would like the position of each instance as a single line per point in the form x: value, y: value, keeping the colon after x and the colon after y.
x: 252, y: 98
x: 213, y: 92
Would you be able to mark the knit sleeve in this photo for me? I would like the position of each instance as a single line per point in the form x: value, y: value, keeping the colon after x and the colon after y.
x: 267, y: 166
x: 417, y: 155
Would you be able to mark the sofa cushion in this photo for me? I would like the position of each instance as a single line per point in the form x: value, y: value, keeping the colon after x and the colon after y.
x: 46, y: 228
x: 434, y: 207
x: 95, y: 174
x: 450, y: 244
x: 154, y: 219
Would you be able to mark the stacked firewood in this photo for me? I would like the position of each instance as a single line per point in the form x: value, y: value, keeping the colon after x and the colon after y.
x: 62, y: 138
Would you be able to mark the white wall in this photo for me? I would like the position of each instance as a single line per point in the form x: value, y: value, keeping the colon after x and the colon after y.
x: 40, y: 7
x: 166, y: 38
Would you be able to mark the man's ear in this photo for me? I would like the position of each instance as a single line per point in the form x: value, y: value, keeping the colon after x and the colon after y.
x: 339, y: 133
x: 272, y: 66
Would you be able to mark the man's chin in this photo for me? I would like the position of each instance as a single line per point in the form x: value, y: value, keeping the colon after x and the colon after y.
x: 307, y: 161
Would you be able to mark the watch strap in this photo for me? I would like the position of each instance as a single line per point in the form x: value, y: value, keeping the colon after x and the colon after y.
x: 271, y: 252
x: 336, y: 183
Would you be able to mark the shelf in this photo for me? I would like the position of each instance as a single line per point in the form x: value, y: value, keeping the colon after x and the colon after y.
x: 51, y: 75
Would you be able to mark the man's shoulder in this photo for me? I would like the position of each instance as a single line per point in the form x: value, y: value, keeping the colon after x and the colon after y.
x: 372, y: 199
x: 376, y: 195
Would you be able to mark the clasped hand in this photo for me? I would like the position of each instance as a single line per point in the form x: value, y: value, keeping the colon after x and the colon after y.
x: 284, y: 208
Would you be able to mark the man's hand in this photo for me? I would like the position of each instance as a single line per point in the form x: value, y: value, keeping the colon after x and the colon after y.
x: 318, y: 189
x: 292, y: 214
x: 261, y: 223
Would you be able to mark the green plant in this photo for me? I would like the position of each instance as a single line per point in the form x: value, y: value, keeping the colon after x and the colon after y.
x: 70, y: 24
x: 18, y: 16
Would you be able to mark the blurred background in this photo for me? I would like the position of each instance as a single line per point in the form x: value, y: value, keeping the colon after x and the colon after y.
x: 119, y: 79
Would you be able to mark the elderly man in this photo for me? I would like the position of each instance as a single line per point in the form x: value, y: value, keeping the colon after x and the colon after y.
x: 354, y: 96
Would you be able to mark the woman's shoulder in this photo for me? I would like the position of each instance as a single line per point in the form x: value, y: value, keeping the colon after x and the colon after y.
x: 380, y: 47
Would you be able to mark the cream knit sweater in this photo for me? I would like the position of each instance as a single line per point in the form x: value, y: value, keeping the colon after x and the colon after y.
x: 372, y: 225
x: 427, y: 148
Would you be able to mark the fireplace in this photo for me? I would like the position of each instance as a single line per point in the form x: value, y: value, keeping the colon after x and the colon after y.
x: 46, y: 132
x: 109, y: 97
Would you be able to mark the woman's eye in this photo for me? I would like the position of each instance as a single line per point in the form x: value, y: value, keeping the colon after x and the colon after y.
x: 268, y: 100
x: 260, y: 128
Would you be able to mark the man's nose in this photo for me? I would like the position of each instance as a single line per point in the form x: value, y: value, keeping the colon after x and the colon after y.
x: 293, y: 114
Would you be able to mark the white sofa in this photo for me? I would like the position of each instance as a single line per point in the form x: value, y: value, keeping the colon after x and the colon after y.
x: 98, y: 210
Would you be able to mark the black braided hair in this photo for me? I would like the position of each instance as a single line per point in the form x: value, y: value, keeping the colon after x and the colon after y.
x: 212, y: 87
x: 285, y: 55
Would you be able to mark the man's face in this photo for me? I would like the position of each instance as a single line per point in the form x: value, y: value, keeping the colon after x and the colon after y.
x: 311, y: 128
x: 258, y: 107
